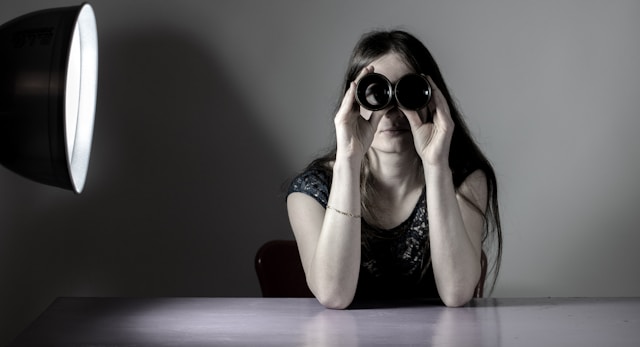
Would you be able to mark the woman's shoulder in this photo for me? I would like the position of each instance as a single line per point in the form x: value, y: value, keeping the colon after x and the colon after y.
x: 474, y: 188
x: 312, y: 175
x: 314, y: 181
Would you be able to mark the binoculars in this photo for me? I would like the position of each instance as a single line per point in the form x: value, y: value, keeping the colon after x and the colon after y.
x: 375, y: 92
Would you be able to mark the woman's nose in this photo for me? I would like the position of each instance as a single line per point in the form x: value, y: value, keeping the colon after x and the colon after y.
x: 394, y: 113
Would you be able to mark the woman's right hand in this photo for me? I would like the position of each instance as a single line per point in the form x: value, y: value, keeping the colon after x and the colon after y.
x: 354, y: 131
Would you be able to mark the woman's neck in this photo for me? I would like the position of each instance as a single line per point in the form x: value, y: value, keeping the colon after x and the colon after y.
x: 396, y: 174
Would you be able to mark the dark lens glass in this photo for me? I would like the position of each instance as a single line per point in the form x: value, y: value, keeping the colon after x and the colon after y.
x: 374, y: 92
x: 413, y: 91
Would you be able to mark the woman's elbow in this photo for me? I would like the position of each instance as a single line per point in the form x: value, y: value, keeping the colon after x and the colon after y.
x: 456, y: 298
x: 334, y: 299
x: 334, y: 303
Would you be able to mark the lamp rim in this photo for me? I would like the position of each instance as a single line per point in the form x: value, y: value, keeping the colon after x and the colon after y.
x: 80, y: 103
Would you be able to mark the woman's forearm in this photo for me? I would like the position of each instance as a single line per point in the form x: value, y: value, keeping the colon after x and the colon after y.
x: 336, y: 262
x: 455, y: 255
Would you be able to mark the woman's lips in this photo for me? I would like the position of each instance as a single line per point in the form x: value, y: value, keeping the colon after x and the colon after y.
x: 395, y: 130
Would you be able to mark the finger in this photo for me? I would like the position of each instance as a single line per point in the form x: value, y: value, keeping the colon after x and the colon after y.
x: 348, y: 100
x: 437, y: 98
x: 374, y: 119
x: 439, y: 106
x: 366, y: 114
x: 415, y: 121
x: 365, y: 71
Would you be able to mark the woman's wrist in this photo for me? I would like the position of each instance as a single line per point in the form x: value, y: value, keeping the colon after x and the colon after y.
x: 345, y: 193
x: 437, y: 172
x: 348, y: 160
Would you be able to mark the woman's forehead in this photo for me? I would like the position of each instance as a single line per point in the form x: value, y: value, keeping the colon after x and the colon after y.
x: 392, y: 65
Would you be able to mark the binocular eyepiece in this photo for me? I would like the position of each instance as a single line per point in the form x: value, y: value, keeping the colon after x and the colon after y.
x: 375, y: 92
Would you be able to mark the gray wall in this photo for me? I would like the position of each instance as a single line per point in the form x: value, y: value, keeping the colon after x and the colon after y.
x: 205, y: 109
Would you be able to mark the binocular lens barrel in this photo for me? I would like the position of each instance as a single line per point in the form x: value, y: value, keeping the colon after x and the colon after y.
x: 375, y: 92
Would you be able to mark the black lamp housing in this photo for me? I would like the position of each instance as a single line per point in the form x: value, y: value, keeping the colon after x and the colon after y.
x: 48, y: 87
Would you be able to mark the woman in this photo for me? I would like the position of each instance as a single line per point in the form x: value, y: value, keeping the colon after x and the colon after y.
x: 359, y: 214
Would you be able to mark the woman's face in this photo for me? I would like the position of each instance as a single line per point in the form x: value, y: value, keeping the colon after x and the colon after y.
x: 393, y: 134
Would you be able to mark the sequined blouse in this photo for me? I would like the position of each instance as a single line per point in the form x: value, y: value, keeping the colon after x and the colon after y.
x: 395, y: 263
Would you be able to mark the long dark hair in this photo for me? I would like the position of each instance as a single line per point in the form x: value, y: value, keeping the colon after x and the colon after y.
x: 465, y: 156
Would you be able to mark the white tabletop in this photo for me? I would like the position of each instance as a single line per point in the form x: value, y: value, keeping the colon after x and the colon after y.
x: 304, y: 322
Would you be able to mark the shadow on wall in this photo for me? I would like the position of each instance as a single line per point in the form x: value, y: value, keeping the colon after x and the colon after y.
x: 182, y: 189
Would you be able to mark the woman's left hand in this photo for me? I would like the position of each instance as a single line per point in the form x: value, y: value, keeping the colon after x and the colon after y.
x: 432, y: 139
